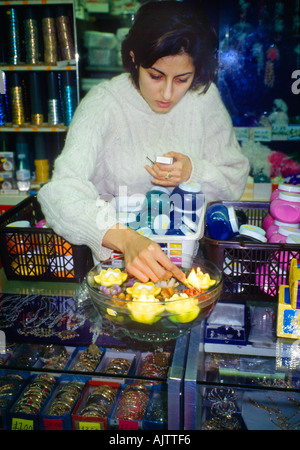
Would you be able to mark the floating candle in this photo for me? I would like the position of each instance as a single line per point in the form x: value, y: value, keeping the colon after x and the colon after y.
x: 146, y: 309
x: 199, y: 280
x: 111, y: 276
x: 139, y: 289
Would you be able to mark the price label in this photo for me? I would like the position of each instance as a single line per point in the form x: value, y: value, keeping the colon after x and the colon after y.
x: 21, y: 424
x: 53, y: 424
x: 241, y: 133
x: 128, y: 424
x: 280, y: 132
x: 91, y: 426
x: 261, y: 134
x: 294, y: 132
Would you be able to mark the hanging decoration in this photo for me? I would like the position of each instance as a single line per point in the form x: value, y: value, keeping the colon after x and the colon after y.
x: 258, y: 53
x: 272, y: 55
x: 279, y: 19
x: 296, y: 19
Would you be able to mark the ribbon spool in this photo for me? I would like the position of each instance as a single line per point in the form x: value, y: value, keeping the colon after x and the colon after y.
x: 49, y: 37
x: 64, y: 33
x: 13, y: 36
x: 31, y: 37
x: 17, y: 106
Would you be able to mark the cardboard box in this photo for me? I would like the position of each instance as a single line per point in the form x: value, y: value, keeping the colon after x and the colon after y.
x: 288, y: 318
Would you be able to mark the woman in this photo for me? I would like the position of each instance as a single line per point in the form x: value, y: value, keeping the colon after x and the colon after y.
x: 165, y: 104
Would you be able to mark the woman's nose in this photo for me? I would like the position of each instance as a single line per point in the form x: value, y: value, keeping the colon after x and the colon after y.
x: 167, y: 90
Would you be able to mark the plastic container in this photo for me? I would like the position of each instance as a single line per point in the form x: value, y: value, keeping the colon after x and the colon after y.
x: 157, y: 200
x: 267, y: 222
x: 221, y: 221
x: 252, y: 228
x: 183, y: 222
x: 242, y: 262
x: 39, y: 254
x: 293, y: 239
x: 250, y: 233
x: 188, y: 197
x: 274, y: 227
x: 161, y: 224
x: 131, y: 220
x: 157, y: 203
x: 285, y: 188
x: 282, y: 233
x: 99, y: 39
x: 286, y: 207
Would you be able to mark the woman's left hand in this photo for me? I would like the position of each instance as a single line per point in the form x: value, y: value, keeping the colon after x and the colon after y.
x: 171, y: 174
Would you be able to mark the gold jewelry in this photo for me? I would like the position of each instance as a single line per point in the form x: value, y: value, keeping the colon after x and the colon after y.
x: 276, y: 417
x: 168, y: 175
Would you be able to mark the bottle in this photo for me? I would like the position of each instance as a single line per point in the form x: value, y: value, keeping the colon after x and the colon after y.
x: 23, y: 176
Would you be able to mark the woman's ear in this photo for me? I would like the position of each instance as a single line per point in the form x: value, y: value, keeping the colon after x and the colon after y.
x: 132, y: 56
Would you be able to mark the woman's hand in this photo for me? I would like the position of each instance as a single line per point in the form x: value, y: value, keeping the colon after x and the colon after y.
x: 171, y: 174
x: 144, y: 258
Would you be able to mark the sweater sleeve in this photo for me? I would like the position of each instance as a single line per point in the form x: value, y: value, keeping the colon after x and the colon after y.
x: 70, y: 201
x: 223, y: 169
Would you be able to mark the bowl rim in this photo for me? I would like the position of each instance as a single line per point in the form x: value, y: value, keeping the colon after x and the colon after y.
x: 108, y: 300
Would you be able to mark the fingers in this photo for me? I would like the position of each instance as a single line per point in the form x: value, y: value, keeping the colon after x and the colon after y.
x: 152, y: 263
x: 164, y: 176
x: 171, y: 267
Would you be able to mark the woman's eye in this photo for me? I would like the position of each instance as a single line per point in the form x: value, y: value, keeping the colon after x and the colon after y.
x: 155, y: 77
x: 182, y: 80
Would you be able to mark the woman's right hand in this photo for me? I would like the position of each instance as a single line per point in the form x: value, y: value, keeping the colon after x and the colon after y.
x: 144, y: 259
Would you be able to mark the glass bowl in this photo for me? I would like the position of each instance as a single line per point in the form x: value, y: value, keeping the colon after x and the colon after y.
x: 152, y: 317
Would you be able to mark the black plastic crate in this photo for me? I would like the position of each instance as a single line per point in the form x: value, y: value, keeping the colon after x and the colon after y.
x: 251, y: 269
x: 39, y: 253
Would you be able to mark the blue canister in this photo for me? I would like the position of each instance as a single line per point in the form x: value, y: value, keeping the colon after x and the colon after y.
x: 183, y: 220
x: 188, y: 197
x: 221, y: 221
x: 157, y: 202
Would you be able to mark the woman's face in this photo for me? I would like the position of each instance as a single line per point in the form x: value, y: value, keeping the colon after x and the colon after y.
x: 165, y: 83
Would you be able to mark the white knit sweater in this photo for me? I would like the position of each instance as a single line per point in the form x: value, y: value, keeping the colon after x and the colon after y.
x: 112, y: 132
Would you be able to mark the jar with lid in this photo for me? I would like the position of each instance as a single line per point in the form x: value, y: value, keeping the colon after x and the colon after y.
x: 221, y: 221
x: 293, y: 239
x: 286, y: 207
x: 157, y: 202
x: 188, y: 197
x: 179, y: 217
x: 267, y: 222
x: 277, y: 223
x: 281, y: 235
x: 129, y: 219
x: 285, y: 188
x: 250, y: 233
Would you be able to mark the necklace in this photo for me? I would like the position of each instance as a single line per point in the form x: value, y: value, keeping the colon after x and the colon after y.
x: 276, y: 417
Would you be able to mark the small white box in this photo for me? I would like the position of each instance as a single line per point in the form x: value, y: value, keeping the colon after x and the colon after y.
x: 164, y: 160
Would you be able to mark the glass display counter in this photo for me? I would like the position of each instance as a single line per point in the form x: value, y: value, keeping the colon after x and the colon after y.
x: 52, y: 337
x: 255, y: 386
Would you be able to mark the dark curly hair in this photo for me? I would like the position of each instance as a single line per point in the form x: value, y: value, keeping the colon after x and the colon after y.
x: 166, y: 28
